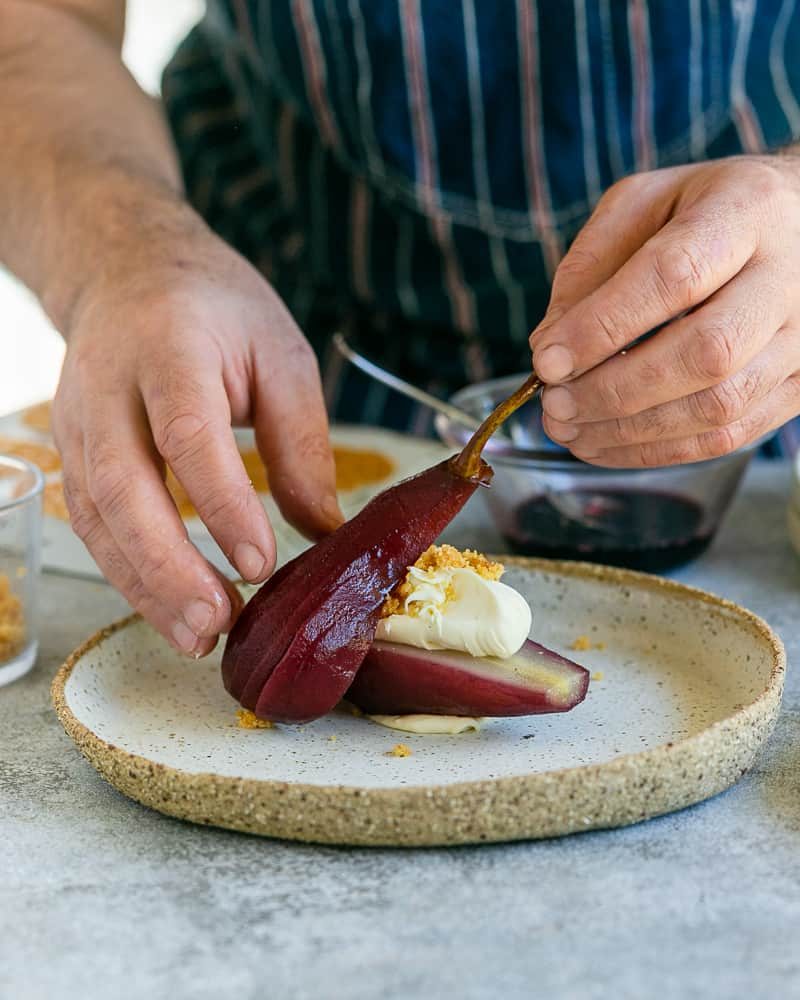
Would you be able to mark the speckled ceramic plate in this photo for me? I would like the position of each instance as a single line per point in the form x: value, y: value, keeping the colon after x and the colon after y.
x: 686, y: 689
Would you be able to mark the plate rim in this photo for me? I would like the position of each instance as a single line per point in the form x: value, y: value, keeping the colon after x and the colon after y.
x: 399, y: 817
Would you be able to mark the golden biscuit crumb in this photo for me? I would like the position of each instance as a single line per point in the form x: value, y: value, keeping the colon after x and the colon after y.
x: 583, y: 642
x: 399, y: 750
x: 332, y: 738
x: 598, y: 675
x: 441, y: 557
x: 39, y: 417
x: 43, y: 455
x: 12, y: 621
x: 249, y: 720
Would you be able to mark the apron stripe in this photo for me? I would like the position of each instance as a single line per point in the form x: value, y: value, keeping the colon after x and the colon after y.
x: 743, y: 114
x: 527, y: 15
x: 642, y: 111
x: 591, y: 167
x: 777, y: 66
x: 314, y: 69
x: 696, y: 118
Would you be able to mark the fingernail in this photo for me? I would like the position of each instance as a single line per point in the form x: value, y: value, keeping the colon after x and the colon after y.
x: 554, y: 363
x: 198, y: 616
x: 249, y: 560
x: 331, y: 509
x: 562, y: 432
x: 559, y: 403
x: 184, y: 637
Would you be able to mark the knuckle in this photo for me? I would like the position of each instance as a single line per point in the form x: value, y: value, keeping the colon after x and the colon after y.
x: 607, y: 329
x: 764, y: 180
x: 720, y: 405
x: 83, y: 517
x: 751, y: 384
x: 679, y: 453
x: 180, y: 434
x: 139, y: 599
x: 616, y: 400
x: 712, y: 352
x: 623, y: 431
x: 579, y: 261
x: 653, y: 423
x: 229, y: 505
x: 152, y: 562
x: 680, y: 269
x: 107, y: 483
x: 721, y: 441
x: 648, y: 456
x: 622, y: 189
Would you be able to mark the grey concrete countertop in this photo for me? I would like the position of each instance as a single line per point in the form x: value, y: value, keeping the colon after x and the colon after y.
x: 101, y: 898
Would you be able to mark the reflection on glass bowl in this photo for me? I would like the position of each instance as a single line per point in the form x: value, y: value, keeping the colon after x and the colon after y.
x: 545, y: 502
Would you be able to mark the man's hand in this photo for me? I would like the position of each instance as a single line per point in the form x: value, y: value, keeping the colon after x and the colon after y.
x: 159, y: 365
x: 710, y: 253
x: 171, y: 336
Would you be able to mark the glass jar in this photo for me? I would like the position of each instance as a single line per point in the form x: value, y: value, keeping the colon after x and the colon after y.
x: 21, y: 485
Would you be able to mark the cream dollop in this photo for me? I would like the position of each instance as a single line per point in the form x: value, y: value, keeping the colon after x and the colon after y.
x: 459, y: 609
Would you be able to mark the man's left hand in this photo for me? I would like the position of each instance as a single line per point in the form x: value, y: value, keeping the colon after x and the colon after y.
x: 709, y: 256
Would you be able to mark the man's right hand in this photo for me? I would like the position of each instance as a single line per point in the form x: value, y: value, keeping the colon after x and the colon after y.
x: 160, y: 364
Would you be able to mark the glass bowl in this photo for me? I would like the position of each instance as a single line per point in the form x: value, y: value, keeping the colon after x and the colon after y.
x: 21, y: 487
x: 546, y: 502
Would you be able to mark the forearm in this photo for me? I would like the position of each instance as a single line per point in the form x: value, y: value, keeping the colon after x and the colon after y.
x: 89, y: 182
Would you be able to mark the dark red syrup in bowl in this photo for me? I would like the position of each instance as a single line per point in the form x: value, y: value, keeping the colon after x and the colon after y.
x: 640, y: 529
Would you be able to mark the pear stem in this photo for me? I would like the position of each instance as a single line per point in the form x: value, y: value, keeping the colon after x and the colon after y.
x: 469, y: 464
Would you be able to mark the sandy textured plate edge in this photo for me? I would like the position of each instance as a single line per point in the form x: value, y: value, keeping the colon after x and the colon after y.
x: 629, y: 789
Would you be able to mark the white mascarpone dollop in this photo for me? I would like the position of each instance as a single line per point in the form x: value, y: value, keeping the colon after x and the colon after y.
x: 462, y: 610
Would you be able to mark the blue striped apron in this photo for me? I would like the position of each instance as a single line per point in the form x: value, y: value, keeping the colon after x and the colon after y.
x: 415, y: 169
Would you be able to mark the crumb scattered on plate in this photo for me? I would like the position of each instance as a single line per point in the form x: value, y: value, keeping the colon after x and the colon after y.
x: 39, y: 417
x: 12, y: 621
x: 583, y: 643
x: 43, y: 455
x: 249, y: 720
x: 598, y: 675
x: 399, y: 750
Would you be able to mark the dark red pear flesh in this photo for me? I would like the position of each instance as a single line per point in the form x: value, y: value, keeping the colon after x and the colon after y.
x: 299, y: 641
x: 396, y: 679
